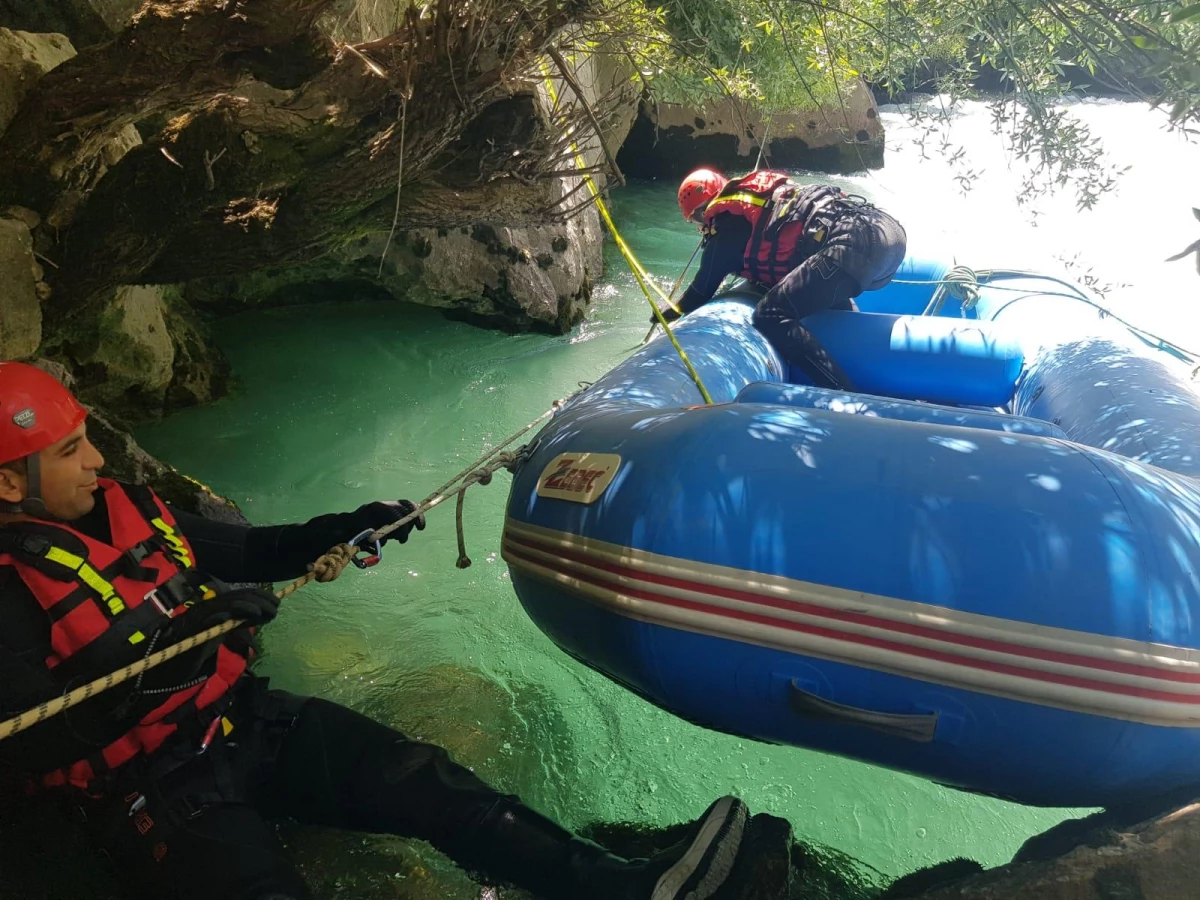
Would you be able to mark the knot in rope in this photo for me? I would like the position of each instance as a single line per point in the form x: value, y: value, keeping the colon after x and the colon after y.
x: 962, y: 284
x: 501, y: 459
x: 330, y: 565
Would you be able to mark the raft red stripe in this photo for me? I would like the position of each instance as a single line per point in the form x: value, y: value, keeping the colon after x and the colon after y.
x: 978, y: 643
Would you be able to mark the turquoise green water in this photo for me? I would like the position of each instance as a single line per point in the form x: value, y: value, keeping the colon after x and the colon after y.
x: 344, y: 404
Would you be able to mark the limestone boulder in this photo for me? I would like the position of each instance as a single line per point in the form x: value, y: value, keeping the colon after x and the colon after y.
x: 20, y: 308
x: 85, y: 22
x: 539, y: 277
x: 25, y: 58
x: 124, y: 359
x: 200, y: 371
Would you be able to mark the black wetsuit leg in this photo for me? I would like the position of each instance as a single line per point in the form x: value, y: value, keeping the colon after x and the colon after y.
x: 863, y: 250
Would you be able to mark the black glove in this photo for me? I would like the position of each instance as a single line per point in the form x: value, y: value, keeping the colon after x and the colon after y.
x: 382, y: 513
x: 668, y: 313
x: 256, y: 606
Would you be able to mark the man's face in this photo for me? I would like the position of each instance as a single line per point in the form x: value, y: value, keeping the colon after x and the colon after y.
x: 69, y: 470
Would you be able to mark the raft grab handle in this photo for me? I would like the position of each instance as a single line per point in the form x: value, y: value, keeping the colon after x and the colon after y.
x: 919, y: 727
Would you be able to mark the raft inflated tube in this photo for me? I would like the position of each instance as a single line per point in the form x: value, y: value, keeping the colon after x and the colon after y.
x: 903, y: 410
x: 942, y: 360
x: 1094, y: 378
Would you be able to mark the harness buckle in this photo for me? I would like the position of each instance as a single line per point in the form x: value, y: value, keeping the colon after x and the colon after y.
x: 373, y: 558
x: 153, y: 597
x: 138, y: 553
x: 170, y: 595
x: 35, y: 544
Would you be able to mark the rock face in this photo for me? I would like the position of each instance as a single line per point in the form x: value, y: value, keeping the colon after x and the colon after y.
x: 1100, y: 858
x: 126, y: 461
x: 24, y: 58
x: 669, y: 140
x: 201, y: 373
x: 539, y: 277
x: 144, y: 353
x: 530, y: 278
x: 85, y: 22
x: 137, y: 356
x: 133, y: 353
x: 20, y: 308
x: 515, y: 278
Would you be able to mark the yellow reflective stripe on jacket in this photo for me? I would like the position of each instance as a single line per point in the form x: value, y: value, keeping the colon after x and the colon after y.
x: 88, y: 576
x: 740, y: 197
x: 178, y: 548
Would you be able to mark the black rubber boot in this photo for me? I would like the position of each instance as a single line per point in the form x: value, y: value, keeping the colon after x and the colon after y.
x: 521, y: 846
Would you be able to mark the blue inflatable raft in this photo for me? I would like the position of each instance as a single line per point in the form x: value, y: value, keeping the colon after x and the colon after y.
x: 982, y: 569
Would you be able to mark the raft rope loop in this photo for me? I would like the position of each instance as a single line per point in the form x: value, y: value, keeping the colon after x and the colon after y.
x: 963, y: 283
x: 325, y: 569
x: 639, y: 273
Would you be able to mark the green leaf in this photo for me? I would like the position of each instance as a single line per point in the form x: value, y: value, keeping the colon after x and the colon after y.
x: 1184, y: 15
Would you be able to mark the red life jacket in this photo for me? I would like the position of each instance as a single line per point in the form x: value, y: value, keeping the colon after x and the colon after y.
x: 95, y: 593
x: 768, y: 200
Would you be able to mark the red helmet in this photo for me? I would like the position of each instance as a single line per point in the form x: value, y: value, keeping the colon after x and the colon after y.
x: 698, y: 189
x: 35, y: 411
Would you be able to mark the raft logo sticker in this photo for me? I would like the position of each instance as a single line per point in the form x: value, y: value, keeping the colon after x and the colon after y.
x: 579, y: 477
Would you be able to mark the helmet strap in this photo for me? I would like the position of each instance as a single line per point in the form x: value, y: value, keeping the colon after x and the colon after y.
x: 32, y: 505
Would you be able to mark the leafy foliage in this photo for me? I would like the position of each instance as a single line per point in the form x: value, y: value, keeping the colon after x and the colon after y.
x: 1026, y: 56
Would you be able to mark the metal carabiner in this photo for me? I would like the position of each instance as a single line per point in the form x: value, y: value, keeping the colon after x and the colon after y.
x: 373, y: 558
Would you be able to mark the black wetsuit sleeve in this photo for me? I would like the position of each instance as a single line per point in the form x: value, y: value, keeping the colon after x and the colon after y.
x: 722, y: 255
x: 24, y: 645
x: 239, y: 553
x: 25, y: 681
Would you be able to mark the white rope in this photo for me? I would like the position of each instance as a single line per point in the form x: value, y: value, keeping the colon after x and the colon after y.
x: 763, y: 146
x: 399, y: 184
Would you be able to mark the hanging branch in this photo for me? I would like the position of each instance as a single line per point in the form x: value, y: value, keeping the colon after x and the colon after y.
x: 569, y: 78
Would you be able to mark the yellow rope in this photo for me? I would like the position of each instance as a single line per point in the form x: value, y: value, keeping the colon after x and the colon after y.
x: 639, y: 273
x: 325, y: 569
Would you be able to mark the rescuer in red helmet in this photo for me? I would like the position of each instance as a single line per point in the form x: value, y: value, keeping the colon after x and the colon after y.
x: 813, y: 247
x: 180, y: 770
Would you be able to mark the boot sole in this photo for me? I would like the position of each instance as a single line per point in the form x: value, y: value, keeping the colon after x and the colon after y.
x: 709, y: 859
